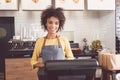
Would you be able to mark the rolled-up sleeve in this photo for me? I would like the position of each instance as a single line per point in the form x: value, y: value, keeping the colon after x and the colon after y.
x: 36, y: 53
x: 67, y: 49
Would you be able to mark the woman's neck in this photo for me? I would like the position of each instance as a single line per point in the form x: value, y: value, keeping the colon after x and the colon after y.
x: 51, y: 36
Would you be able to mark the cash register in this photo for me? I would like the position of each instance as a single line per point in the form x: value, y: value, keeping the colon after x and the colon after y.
x: 78, y: 69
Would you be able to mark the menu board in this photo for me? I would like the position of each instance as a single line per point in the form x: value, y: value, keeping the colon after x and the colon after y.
x: 70, y: 4
x: 35, y: 4
x: 8, y: 4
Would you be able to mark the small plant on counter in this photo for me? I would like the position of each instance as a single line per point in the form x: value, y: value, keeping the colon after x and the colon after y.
x: 96, y: 45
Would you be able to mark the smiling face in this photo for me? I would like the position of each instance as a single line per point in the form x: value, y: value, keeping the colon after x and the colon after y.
x: 52, y: 25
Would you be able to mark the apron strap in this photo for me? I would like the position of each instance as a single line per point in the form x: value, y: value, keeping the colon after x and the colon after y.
x: 59, y: 44
x: 44, y: 42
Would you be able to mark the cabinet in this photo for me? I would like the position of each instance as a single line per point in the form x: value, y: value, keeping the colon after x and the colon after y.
x: 19, y: 69
x: 101, y: 4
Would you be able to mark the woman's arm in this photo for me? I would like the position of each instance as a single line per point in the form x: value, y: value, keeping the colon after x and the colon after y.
x: 67, y: 49
x: 39, y: 64
x: 36, y: 61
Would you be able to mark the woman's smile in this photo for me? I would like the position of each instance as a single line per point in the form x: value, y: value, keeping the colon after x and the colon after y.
x: 52, y: 25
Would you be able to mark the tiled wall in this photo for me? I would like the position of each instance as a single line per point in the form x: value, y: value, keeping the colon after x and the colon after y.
x: 81, y: 24
x: 107, y: 29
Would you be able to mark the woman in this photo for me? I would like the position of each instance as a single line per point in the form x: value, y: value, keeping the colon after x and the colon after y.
x: 52, y: 46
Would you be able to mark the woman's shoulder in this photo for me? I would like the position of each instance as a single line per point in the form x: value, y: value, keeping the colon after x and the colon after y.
x: 63, y: 37
x: 40, y: 39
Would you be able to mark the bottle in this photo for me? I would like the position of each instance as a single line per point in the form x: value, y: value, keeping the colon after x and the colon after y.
x: 85, y: 46
x: 86, y: 49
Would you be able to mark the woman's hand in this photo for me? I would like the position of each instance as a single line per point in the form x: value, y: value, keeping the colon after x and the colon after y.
x: 39, y: 64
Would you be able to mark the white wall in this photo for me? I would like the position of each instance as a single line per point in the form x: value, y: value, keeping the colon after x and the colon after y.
x: 107, y: 29
x: 82, y: 24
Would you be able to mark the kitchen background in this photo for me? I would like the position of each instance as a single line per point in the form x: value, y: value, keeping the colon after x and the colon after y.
x: 98, y: 21
x: 89, y: 24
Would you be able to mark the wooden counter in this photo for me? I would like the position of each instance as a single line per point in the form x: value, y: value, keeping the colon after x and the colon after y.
x: 18, y: 65
x: 19, y: 69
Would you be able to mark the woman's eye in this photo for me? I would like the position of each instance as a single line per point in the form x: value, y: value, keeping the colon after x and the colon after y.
x: 57, y: 23
x: 50, y: 22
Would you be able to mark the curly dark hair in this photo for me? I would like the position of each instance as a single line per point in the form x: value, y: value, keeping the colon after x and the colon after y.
x: 56, y: 12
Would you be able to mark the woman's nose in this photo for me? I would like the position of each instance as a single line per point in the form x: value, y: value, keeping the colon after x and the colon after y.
x: 53, y: 25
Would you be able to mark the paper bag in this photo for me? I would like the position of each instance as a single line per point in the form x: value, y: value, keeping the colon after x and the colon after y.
x: 113, y: 62
x: 110, y: 61
x: 102, y: 59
